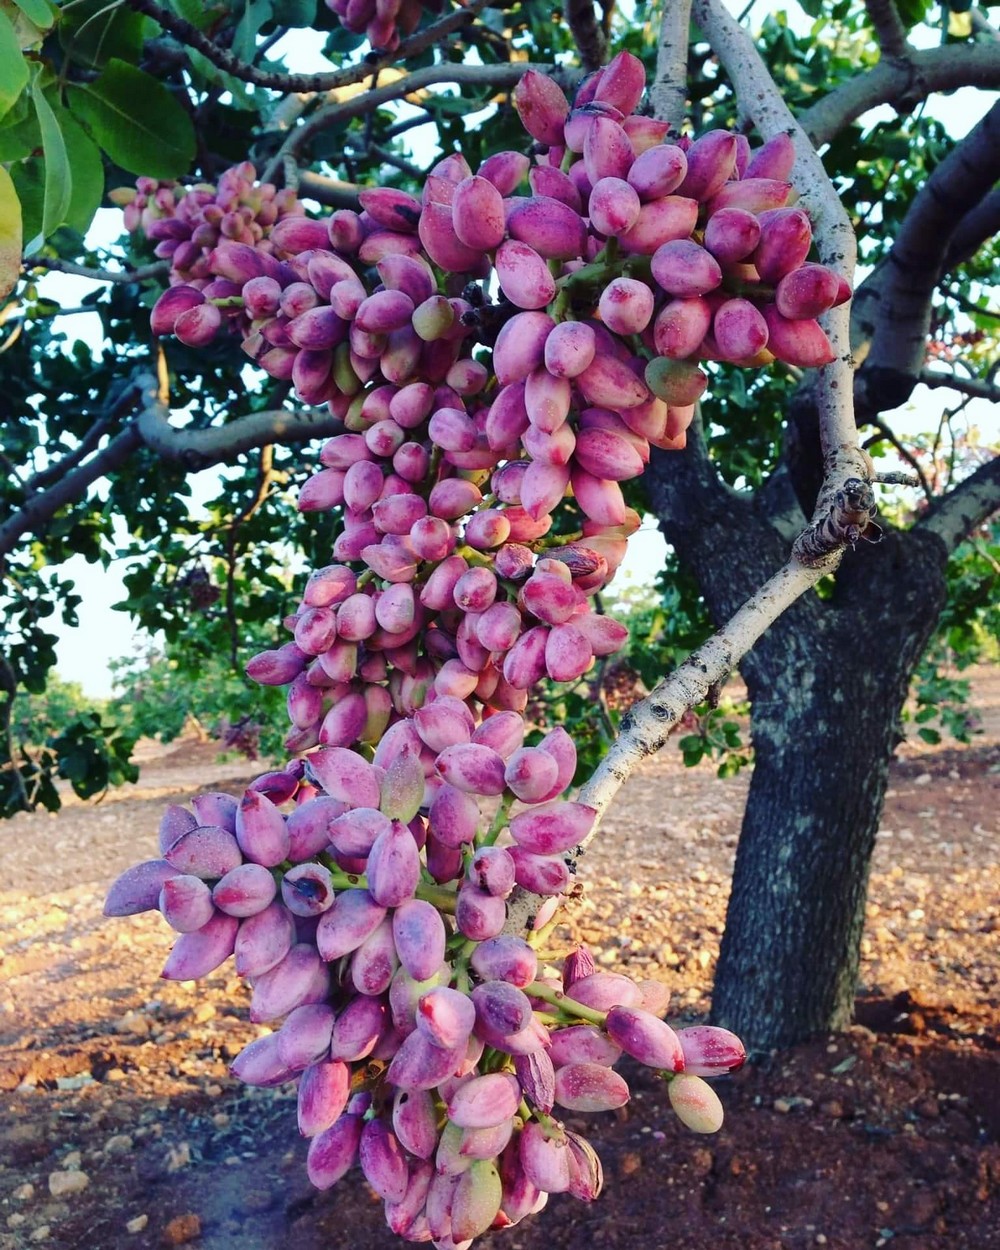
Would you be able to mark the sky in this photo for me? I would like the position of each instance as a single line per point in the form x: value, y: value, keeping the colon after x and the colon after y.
x: 104, y: 635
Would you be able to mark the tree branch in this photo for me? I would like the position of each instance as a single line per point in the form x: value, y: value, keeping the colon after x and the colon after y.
x: 903, y: 83
x: 980, y: 224
x: 407, y: 85
x: 647, y: 724
x: 329, y: 191
x: 892, y: 311
x: 669, y: 91
x: 889, y: 29
x: 888, y: 435
x: 41, y: 508
x: 976, y: 388
x: 760, y: 100
x: 56, y: 265
x: 312, y: 84
x: 197, y: 449
x: 591, y: 41
x: 965, y: 507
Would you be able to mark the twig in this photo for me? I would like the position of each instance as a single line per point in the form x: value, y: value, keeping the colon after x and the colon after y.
x: 761, y: 101
x: 406, y: 85
x: 265, y: 476
x: 976, y: 388
x: 886, y: 434
x: 311, y: 84
x: 648, y: 723
x: 669, y: 91
x: 329, y: 191
x: 894, y: 478
x: 56, y: 265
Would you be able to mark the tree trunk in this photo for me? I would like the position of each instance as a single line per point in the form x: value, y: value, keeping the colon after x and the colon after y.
x: 826, y: 694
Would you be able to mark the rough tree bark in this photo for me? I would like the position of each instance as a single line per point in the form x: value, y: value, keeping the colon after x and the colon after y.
x: 827, y: 684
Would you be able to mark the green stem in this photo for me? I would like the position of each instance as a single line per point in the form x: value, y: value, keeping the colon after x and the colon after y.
x: 499, y: 820
x: 440, y: 895
x: 567, y: 1006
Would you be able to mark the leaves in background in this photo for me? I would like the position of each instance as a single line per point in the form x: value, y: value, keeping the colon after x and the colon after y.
x: 137, y: 121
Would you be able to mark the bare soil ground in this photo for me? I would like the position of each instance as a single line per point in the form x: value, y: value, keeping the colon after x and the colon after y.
x: 120, y: 1126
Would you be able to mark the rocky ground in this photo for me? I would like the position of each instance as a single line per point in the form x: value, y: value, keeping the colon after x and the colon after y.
x: 120, y: 1127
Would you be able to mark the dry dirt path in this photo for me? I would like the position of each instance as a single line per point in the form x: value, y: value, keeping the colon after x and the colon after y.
x: 120, y: 1127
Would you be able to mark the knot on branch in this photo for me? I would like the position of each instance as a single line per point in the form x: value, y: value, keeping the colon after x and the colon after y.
x: 850, y: 518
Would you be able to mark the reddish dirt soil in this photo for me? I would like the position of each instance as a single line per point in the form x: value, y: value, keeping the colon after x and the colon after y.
x: 120, y: 1126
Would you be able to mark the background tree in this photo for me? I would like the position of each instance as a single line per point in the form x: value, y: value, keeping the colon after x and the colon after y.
x: 758, y: 508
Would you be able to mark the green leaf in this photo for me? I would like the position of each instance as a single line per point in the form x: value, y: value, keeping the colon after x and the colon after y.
x: 19, y: 133
x: 88, y: 174
x: 10, y: 233
x: 294, y: 12
x: 29, y: 180
x: 211, y: 73
x: 930, y: 735
x: 92, y: 31
x: 13, y: 67
x: 201, y: 16
x: 257, y: 12
x: 137, y: 121
x: 40, y: 12
x: 58, y: 174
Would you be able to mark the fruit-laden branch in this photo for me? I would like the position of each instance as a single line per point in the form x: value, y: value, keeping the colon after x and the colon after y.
x: 56, y: 264
x: 588, y: 32
x: 408, y: 85
x: 892, y: 311
x: 965, y: 507
x: 891, y: 32
x: 669, y: 90
x: 903, y: 83
x: 761, y: 101
x: 647, y: 725
x: 227, y: 61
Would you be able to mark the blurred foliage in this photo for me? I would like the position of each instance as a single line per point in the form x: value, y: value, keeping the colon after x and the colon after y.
x: 216, y: 561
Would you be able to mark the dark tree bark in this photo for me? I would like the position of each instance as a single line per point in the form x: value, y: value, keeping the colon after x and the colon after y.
x: 826, y: 693
x: 827, y: 684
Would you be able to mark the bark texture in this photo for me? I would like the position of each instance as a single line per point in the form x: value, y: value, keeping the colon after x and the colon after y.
x: 827, y: 683
x: 826, y: 694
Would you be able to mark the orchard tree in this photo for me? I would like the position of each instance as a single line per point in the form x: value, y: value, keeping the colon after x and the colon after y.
x: 646, y: 300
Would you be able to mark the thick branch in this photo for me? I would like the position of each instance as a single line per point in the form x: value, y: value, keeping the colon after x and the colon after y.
x: 903, y: 83
x: 197, y: 449
x: 227, y: 61
x: 588, y: 32
x: 892, y: 311
x: 980, y: 224
x: 891, y: 32
x: 669, y: 91
x: 965, y: 507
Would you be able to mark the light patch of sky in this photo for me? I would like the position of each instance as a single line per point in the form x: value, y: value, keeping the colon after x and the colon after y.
x: 104, y: 635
